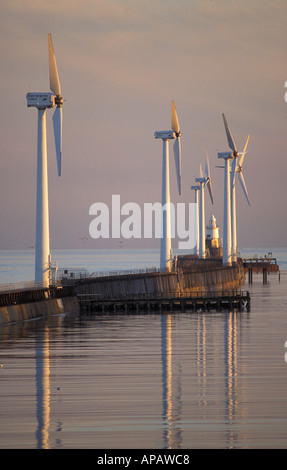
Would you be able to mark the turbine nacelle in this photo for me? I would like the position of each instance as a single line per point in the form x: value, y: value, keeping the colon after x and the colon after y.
x: 201, y: 179
x: 41, y: 100
x: 165, y: 135
x: 225, y: 155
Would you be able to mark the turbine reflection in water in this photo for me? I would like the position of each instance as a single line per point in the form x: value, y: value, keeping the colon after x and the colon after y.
x: 43, y: 392
x: 201, y: 359
x: 231, y: 375
x: 171, y: 388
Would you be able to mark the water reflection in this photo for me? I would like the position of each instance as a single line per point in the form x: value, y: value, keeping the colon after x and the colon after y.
x: 201, y: 376
x: 43, y: 373
x: 201, y: 360
x: 204, y: 364
x: 231, y: 375
x: 43, y: 388
x: 171, y: 388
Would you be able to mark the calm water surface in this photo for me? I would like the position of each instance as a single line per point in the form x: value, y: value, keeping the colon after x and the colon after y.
x: 191, y: 380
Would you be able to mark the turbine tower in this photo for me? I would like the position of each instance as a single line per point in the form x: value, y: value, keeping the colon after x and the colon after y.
x: 229, y: 228
x: 165, y: 243
x: 196, y: 188
x: 44, y: 101
x: 203, y: 181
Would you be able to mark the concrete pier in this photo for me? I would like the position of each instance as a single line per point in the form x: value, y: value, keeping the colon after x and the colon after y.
x: 201, y: 285
x: 194, y: 285
x: 22, y: 305
x: 260, y: 265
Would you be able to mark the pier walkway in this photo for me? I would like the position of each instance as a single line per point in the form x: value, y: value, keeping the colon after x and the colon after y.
x: 257, y: 265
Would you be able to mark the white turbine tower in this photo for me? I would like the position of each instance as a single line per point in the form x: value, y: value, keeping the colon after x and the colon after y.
x: 228, y: 247
x: 165, y: 245
x: 203, y: 181
x: 196, y: 188
x: 43, y: 101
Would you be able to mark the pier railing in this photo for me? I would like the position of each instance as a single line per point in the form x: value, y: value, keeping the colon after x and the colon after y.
x: 69, y: 276
x: 271, y: 263
x: 73, y: 274
x: 22, y: 293
x: 20, y: 286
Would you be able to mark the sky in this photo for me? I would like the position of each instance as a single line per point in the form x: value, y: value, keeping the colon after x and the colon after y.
x: 121, y: 63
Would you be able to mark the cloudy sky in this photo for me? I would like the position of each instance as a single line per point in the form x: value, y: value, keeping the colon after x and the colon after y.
x: 121, y: 62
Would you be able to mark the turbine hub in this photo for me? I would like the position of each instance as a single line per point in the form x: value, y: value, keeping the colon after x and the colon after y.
x: 59, y: 100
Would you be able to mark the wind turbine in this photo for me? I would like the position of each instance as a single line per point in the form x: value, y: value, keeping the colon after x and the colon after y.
x: 44, y: 101
x: 227, y: 241
x: 165, y: 244
x: 196, y: 188
x: 236, y: 169
x: 203, y: 181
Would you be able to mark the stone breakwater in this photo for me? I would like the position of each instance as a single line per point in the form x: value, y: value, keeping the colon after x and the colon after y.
x: 204, y: 278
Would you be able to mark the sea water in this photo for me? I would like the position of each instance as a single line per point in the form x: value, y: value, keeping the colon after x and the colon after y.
x: 18, y: 266
x: 173, y: 380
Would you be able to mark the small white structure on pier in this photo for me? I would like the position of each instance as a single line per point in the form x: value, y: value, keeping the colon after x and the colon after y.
x: 213, y: 242
x: 212, y: 232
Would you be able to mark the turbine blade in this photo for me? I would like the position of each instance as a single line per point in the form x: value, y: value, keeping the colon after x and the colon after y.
x: 243, y: 153
x: 200, y: 171
x: 243, y: 185
x: 207, y: 174
x: 177, y: 160
x: 58, y: 124
x: 210, y: 190
x: 246, y: 143
x: 233, y: 170
x: 207, y: 166
x: 174, y: 119
x: 54, y: 76
x: 230, y: 139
